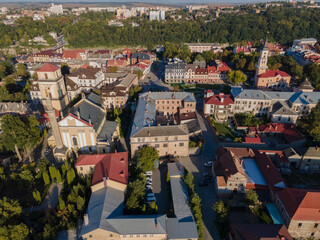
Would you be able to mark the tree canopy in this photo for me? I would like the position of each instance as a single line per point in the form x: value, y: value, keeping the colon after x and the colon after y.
x: 236, y: 77
x: 146, y: 158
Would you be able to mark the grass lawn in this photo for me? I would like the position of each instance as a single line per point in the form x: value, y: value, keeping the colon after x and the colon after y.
x: 222, y: 129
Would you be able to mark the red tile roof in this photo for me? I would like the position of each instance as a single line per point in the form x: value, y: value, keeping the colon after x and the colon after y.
x: 72, y: 54
x: 48, y: 68
x: 201, y: 71
x: 109, y: 165
x: 300, y: 204
x: 268, y: 169
x: 217, y: 99
x: 273, y: 73
x: 289, y: 131
x: 256, y: 139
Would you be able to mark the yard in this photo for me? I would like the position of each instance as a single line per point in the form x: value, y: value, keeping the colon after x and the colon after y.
x: 223, y: 130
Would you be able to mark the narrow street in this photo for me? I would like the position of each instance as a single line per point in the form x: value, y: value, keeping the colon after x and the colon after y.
x: 208, y: 195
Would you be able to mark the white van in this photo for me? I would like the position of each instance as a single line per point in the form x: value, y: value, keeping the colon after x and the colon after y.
x: 151, y: 199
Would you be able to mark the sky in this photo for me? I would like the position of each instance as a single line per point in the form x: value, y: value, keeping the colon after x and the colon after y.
x: 142, y: 1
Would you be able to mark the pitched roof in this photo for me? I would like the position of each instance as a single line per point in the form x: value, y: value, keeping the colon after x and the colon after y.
x: 48, y: 68
x: 109, y: 165
x: 300, y: 204
x: 219, y: 99
x: 243, y: 231
x: 305, y: 85
x: 312, y: 152
x: 273, y: 73
x: 72, y: 54
x: 171, y: 130
x: 282, y: 108
x: 269, y: 170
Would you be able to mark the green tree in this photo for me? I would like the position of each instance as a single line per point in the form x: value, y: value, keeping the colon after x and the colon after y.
x: 9, y: 210
x: 46, y: 178
x: 64, y: 68
x: 14, y: 232
x: 170, y: 50
x: 199, y: 57
x: 146, y: 157
x: 311, y: 124
x: 36, y: 195
x: 49, y: 232
x: 184, y: 53
x: 221, y: 211
x: 252, y: 197
x: 52, y: 171
x: 71, y: 176
x: 22, y: 70
x: 236, y: 77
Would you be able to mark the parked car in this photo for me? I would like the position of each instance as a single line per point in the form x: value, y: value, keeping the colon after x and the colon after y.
x: 150, y: 194
x: 151, y: 199
x: 208, y: 164
x: 149, y: 173
x: 47, y: 152
x: 203, y: 183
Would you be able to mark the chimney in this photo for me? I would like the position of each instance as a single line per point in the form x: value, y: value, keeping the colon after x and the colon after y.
x: 104, y: 182
x: 78, y: 113
x: 86, y: 219
x: 90, y: 122
x: 222, y: 99
x: 83, y: 95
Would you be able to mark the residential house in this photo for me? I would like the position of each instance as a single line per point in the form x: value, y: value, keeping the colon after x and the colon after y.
x: 220, y: 106
x: 292, y: 157
x: 76, y: 54
x: 84, y: 79
x: 242, y: 49
x: 115, y: 95
x: 46, y: 56
x: 202, y: 47
x: 175, y: 72
x: 154, y: 122
x: 310, y: 161
x: 299, y: 209
x: 218, y: 73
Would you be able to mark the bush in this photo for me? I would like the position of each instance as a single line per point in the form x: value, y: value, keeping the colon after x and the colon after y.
x: 192, y: 144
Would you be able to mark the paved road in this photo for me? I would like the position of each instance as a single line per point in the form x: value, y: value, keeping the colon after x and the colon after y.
x: 51, y: 199
x: 208, y: 195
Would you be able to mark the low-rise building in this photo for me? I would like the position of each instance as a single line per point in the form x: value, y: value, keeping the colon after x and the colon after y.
x: 282, y: 107
x: 154, y: 122
x: 220, y: 106
x: 175, y: 72
x: 299, y: 209
x: 272, y: 78
x: 310, y: 161
x: 84, y: 79
x: 255, y: 231
x: 202, y: 47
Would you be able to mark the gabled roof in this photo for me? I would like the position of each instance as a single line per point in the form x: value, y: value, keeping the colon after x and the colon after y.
x: 109, y: 165
x: 282, y: 108
x: 258, y: 231
x: 300, y: 204
x: 273, y: 73
x: 48, y: 68
x: 305, y: 85
x: 312, y: 152
x: 269, y: 170
x: 217, y: 99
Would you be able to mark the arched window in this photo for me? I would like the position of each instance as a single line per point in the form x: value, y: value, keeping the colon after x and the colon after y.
x: 75, y: 141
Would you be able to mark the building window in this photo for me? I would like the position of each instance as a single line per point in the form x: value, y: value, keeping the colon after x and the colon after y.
x: 90, y: 236
x: 181, y: 144
x: 167, y: 138
x: 312, y: 234
x: 81, y: 168
x: 75, y: 142
x: 316, y: 225
x: 299, y: 225
x: 90, y: 149
x: 157, y: 146
x: 165, y: 145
